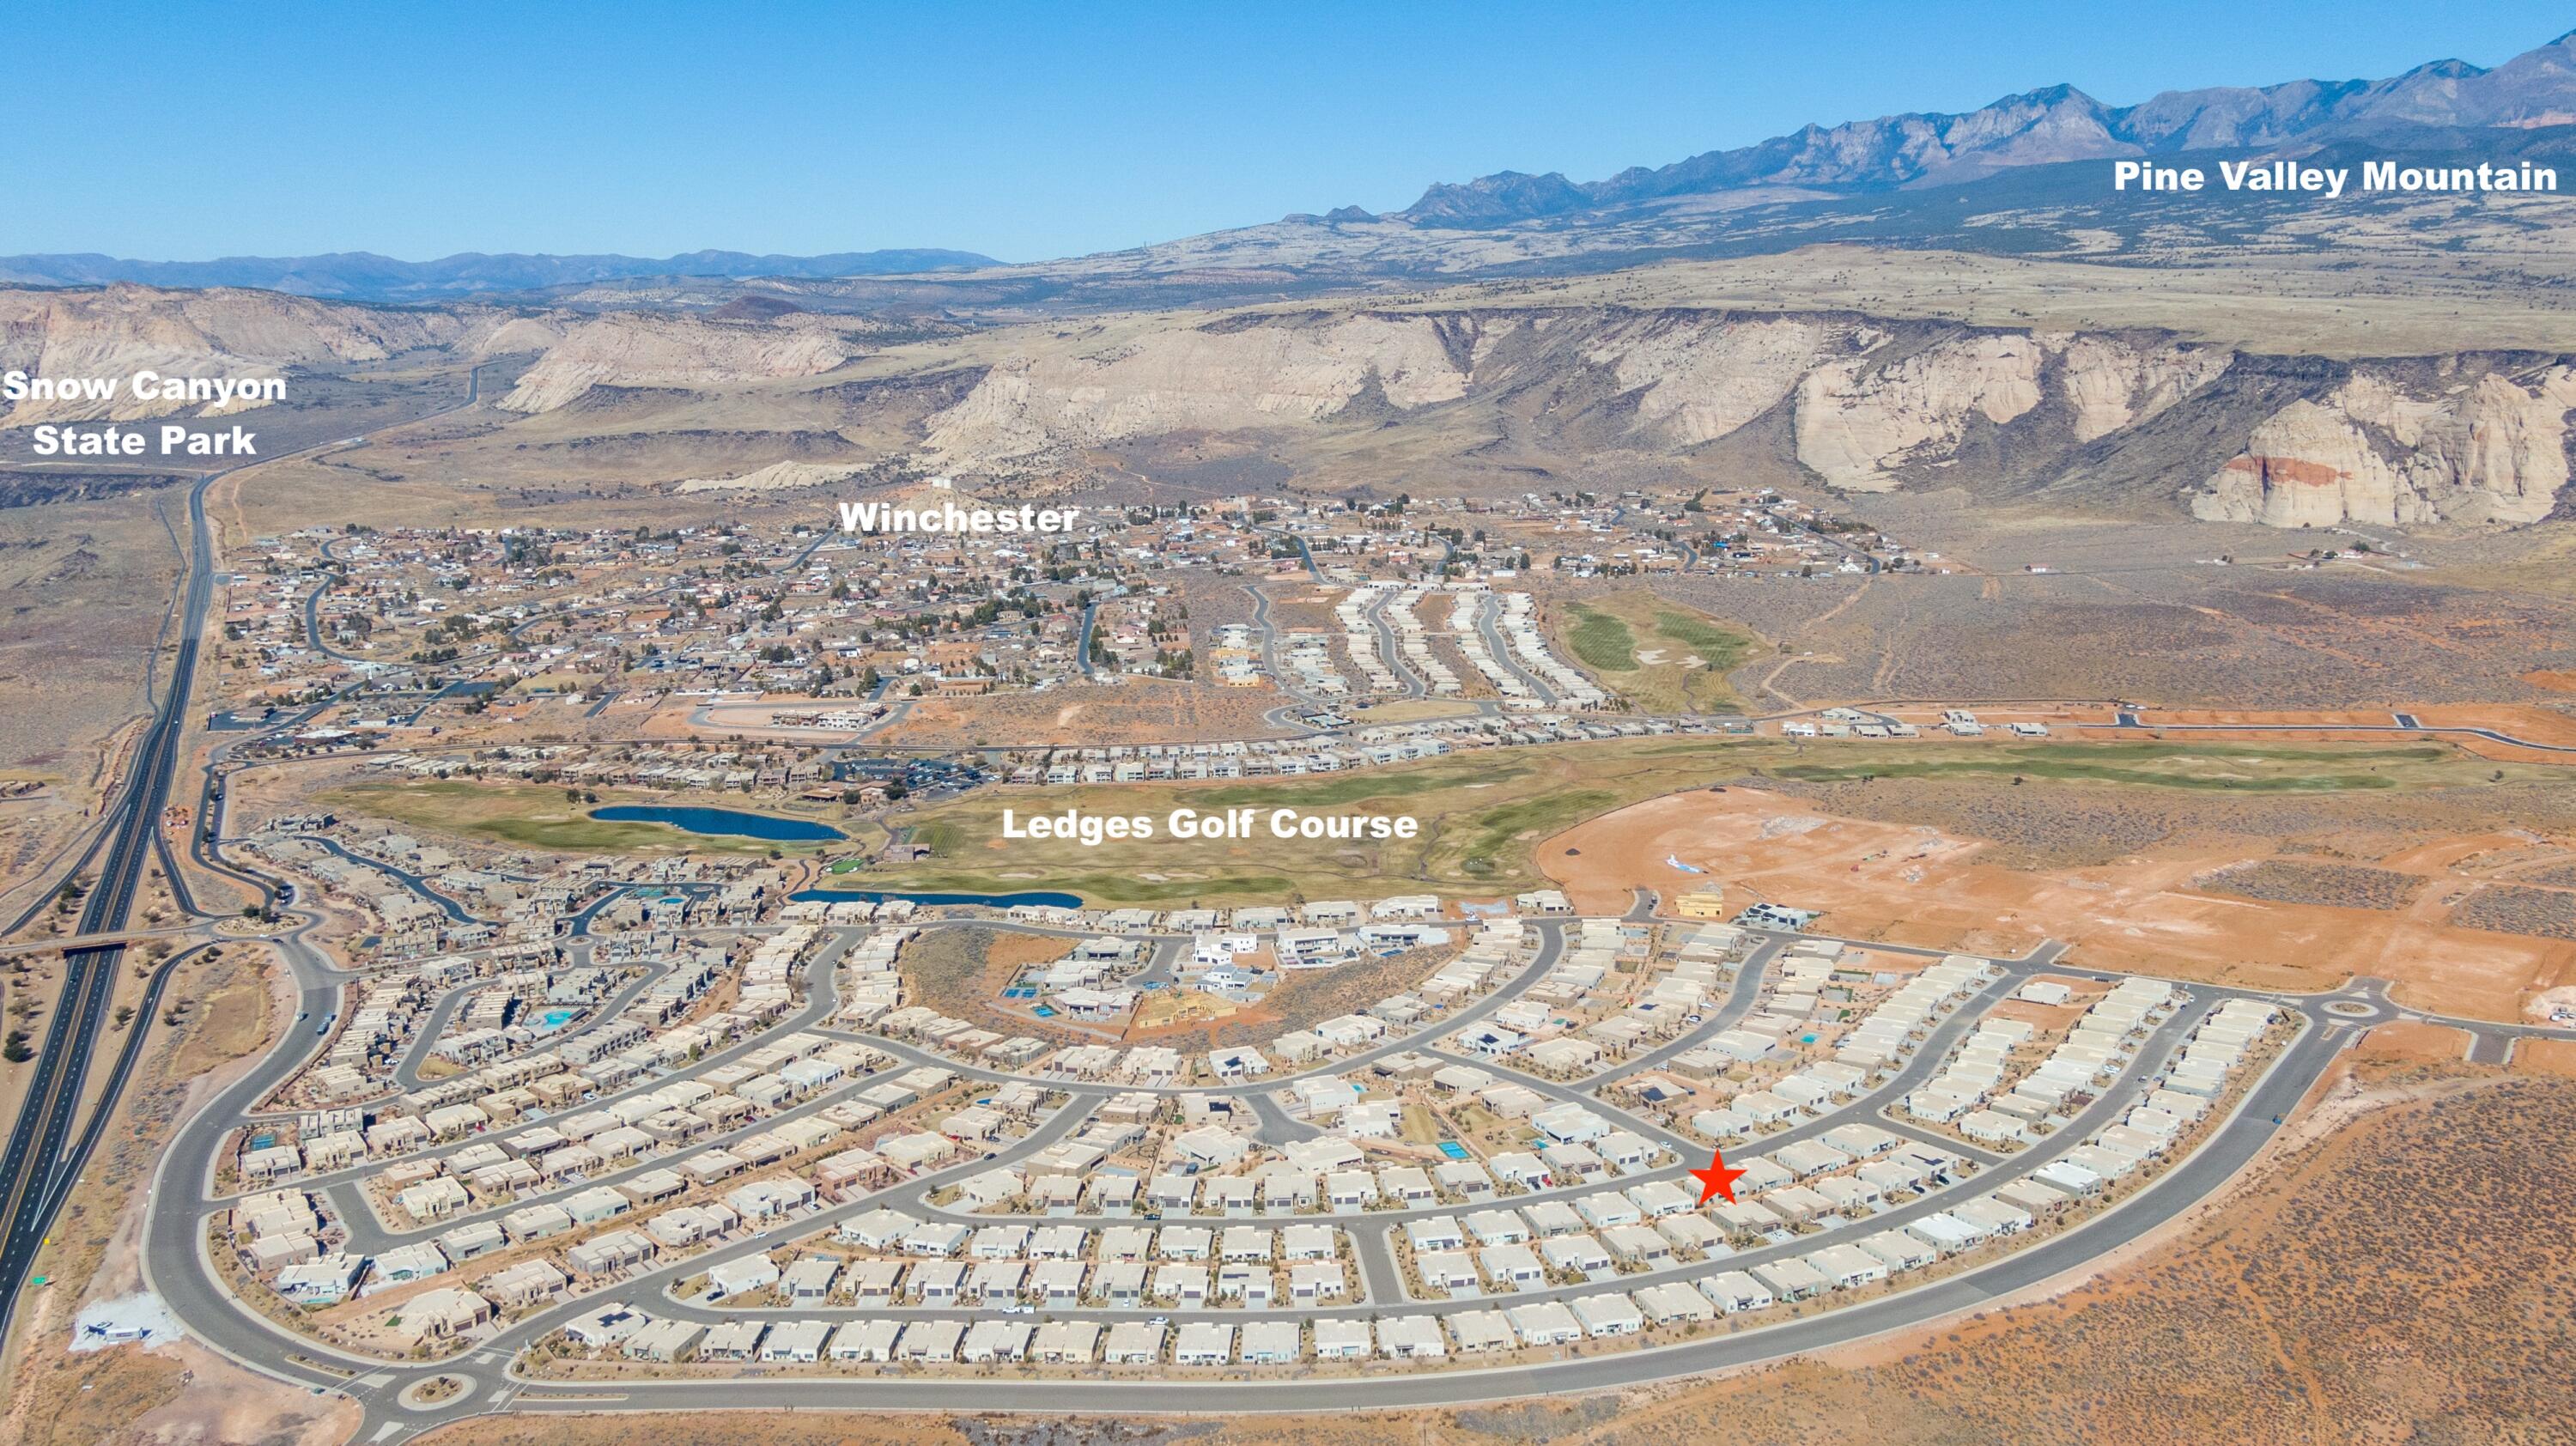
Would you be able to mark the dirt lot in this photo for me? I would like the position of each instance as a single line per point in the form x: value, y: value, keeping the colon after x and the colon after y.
x: 2038, y: 826
x: 1085, y: 715
x: 1923, y: 885
x: 2285, y: 881
x: 962, y: 972
x: 2515, y: 909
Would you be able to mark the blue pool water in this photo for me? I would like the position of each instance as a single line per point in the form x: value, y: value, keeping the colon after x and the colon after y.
x: 721, y: 821
x: 554, y: 1019
x: 991, y: 901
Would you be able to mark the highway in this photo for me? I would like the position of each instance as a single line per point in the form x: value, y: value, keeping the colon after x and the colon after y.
x: 43, y: 1156
x: 36, y: 1164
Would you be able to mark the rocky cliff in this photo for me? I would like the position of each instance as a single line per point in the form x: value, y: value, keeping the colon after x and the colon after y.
x: 1227, y: 376
x: 2136, y: 422
x: 2394, y: 445
x: 1861, y: 404
x: 119, y: 330
x: 636, y: 350
x: 646, y: 349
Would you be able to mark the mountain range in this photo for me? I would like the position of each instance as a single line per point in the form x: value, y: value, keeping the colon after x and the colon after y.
x: 2444, y: 108
x: 2041, y: 127
x: 365, y: 275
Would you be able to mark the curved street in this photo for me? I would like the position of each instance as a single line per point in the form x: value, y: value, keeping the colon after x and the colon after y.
x: 181, y: 1272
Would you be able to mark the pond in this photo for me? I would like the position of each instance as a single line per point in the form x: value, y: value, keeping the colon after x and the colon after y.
x: 722, y: 821
x: 1047, y: 897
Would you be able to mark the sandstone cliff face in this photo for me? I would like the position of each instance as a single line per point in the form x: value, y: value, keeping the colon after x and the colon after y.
x: 640, y: 350
x: 122, y: 329
x: 2124, y: 420
x: 2485, y: 449
x: 1698, y: 382
x: 1036, y: 404
x: 2114, y: 384
x: 1859, y: 421
x: 1869, y: 401
x: 776, y: 477
x: 1862, y: 423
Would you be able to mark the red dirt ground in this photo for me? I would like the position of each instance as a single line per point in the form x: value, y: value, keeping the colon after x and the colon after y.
x: 1921, y: 886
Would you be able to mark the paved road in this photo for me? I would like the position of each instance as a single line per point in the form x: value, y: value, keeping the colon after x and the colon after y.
x: 1390, y: 652
x: 2401, y: 724
x: 1489, y: 623
x: 35, y: 1163
x: 410, y: 881
x: 175, y: 1231
x: 1285, y: 716
x: 43, y: 1156
x: 313, y: 612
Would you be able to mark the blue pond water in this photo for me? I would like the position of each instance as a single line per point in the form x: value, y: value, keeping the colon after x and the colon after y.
x: 721, y: 821
x: 990, y: 901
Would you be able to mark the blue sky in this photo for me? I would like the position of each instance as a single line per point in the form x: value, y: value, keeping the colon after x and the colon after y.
x: 170, y: 131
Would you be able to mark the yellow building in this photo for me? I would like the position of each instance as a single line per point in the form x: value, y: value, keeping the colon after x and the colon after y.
x: 1708, y: 901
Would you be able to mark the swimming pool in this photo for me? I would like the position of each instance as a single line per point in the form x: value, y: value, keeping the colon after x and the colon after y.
x: 554, y: 1019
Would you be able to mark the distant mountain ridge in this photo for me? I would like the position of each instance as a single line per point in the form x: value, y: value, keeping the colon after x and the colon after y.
x: 2040, y: 127
x: 1864, y: 181
x: 366, y: 276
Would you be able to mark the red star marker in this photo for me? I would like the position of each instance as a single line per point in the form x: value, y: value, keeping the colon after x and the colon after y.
x: 1717, y: 1179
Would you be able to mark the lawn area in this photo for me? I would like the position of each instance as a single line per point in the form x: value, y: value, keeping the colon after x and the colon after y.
x: 528, y: 815
x: 1601, y: 640
x: 1483, y: 813
x: 1662, y: 656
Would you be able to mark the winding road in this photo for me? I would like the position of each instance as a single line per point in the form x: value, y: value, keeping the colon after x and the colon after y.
x: 43, y: 1156
x: 179, y: 1270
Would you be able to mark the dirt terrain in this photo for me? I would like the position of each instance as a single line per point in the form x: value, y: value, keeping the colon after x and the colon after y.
x: 2139, y: 610
x: 1136, y: 710
x: 1924, y: 885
